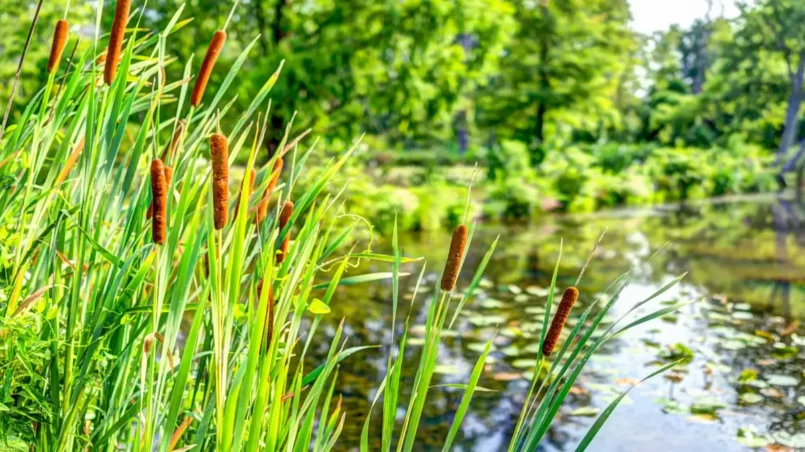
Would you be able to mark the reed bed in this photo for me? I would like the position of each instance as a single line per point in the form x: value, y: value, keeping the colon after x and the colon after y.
x: 196, y: 336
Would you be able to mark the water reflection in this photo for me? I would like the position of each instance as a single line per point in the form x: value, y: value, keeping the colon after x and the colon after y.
x: 744, y: 258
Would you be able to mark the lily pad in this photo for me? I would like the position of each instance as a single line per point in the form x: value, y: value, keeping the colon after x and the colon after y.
x: 491, y: 303
x: 524, y: 363
x: 749, y: 437
x: 707, y: 405
x: 751, y: 398
x: 781, y: 380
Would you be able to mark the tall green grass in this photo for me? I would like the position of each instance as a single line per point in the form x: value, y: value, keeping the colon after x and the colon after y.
x: 111, y: 342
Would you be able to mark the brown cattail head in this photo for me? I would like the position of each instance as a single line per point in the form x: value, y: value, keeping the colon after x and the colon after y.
x: 170, y: 149
x: 56, y: 49
x: 247, y: 192
x: 168, y: 177
x: 216, y: 44
x: 116, y: 40
x: 285, y: 216
x: 262, y: 208
x: 454, y: 258
x: 219, y: 152
x: 159, y: 195
x: 568, y: 300
x: 70, y: 163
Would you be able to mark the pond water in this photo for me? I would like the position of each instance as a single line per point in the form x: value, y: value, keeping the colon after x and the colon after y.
x: 746, y: 265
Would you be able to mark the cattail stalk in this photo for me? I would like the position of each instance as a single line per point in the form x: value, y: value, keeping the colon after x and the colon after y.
x: 159, y: 195
x: 262, y: 208
x: 247, y: 191
x: 56, y: 49
x: 70, y: 163
x: 219, y: 151
x: 170, y: 149
x: 285, y: 216
x: 216, y: 44
x: 116, y: 40
x: 568, y: 300
x: 453, y: 264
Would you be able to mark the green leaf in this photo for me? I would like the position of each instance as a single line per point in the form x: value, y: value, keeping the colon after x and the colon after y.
x: 318, y: 307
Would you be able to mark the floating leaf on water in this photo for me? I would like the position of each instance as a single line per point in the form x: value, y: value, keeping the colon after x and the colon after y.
x: 732, y: 345
x: 514, y: 289
x: 723, y: 368
x: 707, y: 405
x: 521, y: 298
x: 537, y: 291
x: 781, y: 380
x: 445, y: 369
x: 486, y: 283
x: 751, y: 398
x: 758, y: 384
x: 748, y: 375
x: 506, y: 376
x: 535, y: 310
x: 511, y: 350
x: 676, y: 352
x: 801, y: 400
x: 491, y: 303
x: 672, y: 406
x: 417, y: 330
x: 449, y: 333
x: 531, y: 326
x: 486, y: 320
x: 749, y: 437
x: 416, y: 341
x: 585, y: 411
x: 797, y: 440
x: 766, y: 335
x: 772, y: 393
x: 477, y: 346
x: 532, y: 348
x: 742, y: 307
x: 703, y: 418
x: 524, y: 363
x: 742, y: 315
x: 782, y: 351
x: 528, y: 375
x: 626, y: 382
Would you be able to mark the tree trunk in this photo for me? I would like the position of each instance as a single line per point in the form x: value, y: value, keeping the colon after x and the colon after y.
x: 792, y: 112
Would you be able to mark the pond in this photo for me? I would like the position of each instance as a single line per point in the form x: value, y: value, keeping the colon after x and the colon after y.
x: 743, y: 386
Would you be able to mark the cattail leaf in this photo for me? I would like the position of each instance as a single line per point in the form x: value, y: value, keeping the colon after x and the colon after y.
x: 352, y: 280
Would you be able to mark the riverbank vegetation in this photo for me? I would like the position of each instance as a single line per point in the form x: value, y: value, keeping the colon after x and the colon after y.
x: 562, y: 104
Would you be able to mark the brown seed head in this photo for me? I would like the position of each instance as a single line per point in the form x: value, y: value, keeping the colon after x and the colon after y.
x: 216, y: 44
x: 219, y: 153
x: 454, y: 258
x: 168, y: 177
x: 285, y: 216
x: 159, y: 196
x: 116, y: 40
x: 262, y: 208
x: 56, y: 49
x: 568, y: 300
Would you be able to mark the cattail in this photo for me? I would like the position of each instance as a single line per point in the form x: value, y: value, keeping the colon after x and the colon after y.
x: 70, y: 163
x: 116, y: 40
x: 262, y: 208
x: 159, y: 195
x: 216, y: 44
x: 219, y: 151
x: 568, y: 300
x: 285, y: 216
x: 454, y: 258
x: 168, y: 177
x: 246, y: 192
x: 177, y: 138
x: 56, y: 49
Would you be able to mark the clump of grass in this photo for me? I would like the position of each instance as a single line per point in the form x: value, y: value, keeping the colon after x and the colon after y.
x: 116, y: 40
x: 57, y: 47
x: 214, y: 49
